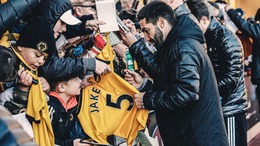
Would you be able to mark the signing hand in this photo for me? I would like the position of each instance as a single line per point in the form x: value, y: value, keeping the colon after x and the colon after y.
x: 128, y: 38
x: 133, y: 78
x: 130, y: 24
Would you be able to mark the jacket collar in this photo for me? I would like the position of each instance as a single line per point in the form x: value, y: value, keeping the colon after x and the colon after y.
x: 212, y: 25
x: 181, y: 10
x: 72, y: 102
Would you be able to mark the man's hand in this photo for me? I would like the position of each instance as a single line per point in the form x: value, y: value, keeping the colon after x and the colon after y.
x: 128, y: 38
x: 130, y: 24
x: 102, y: 68
x: 133, y: 78
x: 139, y: 99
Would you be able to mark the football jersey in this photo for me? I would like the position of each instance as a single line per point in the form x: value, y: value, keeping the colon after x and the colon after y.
x: 108, y: 108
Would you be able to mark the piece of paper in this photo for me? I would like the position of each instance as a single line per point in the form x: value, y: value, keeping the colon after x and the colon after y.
x: 106, y: 11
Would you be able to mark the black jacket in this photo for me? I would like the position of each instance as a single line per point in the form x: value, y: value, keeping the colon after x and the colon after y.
x: 56, y: 68
x: 253, y: 31
x: 62, y: 121
x: 185, y: 95
x: 226, y: 54
x: 79, y: 30
x: 13, y: 11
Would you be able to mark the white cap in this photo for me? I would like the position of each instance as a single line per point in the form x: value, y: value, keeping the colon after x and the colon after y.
x: 69, y: 19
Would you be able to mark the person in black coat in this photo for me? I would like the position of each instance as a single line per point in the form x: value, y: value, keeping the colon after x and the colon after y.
x: 226, y: 54
x: 252, y: 30
x: 184, y: 95
x: 13, y: 11
x: 56, y: 68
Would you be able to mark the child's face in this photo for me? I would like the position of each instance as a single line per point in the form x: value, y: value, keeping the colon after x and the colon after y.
x: 32, y: 57
x: 73, y: 86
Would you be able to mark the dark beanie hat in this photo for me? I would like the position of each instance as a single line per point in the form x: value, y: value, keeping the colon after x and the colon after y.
x: 37, y: 34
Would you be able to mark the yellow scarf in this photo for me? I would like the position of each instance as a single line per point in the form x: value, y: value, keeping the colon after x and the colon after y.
x: 37, y: 110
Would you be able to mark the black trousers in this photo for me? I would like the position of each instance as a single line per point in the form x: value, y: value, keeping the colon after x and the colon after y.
x: 236, y: 129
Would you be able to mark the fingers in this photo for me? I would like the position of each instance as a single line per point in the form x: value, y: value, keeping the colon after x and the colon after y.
x: 20, y: 71
x: 139, y: 99
x: 25, y: 78
x: 102, y: 68
x: 106, y: 71
x: 128, y: 21
x: 86, y: 82
x: 101, y: 22
x: 138, y: 103
x: 129, y: 78
x: 45, y: 84
x: 94, y: 24
x: 129, y: 73
x: 130, y: 24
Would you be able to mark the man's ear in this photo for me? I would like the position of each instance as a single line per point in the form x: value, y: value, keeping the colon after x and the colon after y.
x: 161, y: 22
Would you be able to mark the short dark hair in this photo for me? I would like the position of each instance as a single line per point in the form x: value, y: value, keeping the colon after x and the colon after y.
x: 54, y: 84
x: 152, y: 11
x: 198, y: 9
x: 8, y: 64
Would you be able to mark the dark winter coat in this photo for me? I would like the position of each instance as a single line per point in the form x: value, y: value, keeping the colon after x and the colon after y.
x: 185, y: 94
x: 253, y: 31
x: 13, y: 11
x: 226, y: 54
x: 56, y: 68
x: 62, y: 121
